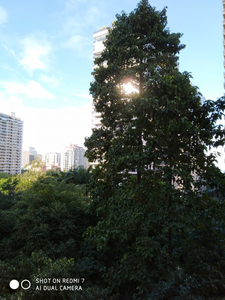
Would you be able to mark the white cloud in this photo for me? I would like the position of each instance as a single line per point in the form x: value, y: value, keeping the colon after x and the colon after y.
x: 78, y: 16
x: 10, y: 51
x: 45, y: 129
x: 35, y: 53
x: 11, y: 100
x: 77, y: 42
x: 56, y: 129
x: 32, y: 90
x: 82, y: 95
x: 50, y: 129
x: 51, y: 81
x: 3, y: 15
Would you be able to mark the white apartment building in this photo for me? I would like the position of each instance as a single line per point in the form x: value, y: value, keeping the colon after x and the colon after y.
x: 11, y: 134
x: 99, y: 37
x: 52, y: 160
x: 73, y: 157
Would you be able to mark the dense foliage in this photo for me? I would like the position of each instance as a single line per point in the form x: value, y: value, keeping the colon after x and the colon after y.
x: 157, y: 221
x: 42, y: 220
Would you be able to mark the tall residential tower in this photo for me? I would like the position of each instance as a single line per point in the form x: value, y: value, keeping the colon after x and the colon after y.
x: 11, y: 134
x: 73, y: 157
x: 99, y: 37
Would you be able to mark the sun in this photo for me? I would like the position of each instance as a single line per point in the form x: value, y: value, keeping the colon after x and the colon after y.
x: 129, y: 88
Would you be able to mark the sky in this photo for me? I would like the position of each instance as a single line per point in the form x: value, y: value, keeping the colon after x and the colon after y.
x: 46, y: 60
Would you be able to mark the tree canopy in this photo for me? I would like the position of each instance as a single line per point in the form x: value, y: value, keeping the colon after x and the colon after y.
x: 42, y: 220
x: 164, y: 234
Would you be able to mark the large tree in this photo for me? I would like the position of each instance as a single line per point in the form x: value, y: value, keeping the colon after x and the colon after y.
x: 162, y: 232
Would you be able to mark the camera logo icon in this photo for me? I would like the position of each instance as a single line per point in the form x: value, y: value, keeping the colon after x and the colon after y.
x: 25, y: 284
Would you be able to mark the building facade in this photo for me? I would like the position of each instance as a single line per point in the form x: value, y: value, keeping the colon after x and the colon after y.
x: 11, y: 135
x: 28, y: 156
x: 53, y: 161
x: 73, y: 157
x: 99, y: 37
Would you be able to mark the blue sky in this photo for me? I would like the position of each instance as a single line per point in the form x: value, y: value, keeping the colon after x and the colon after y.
x: 46, y: 60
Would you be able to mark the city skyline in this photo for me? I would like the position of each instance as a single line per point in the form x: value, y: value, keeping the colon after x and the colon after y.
x: 46, y: 60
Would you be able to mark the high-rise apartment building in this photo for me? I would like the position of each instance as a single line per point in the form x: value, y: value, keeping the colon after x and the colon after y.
x: 73, y: 157
x: 11, y: 134
x: 53, y: 160
x: 99, y: 37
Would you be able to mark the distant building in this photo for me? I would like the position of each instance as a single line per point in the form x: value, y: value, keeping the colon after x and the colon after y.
x: 11, y: 135
x: 28, y: 156
x: 86, y: 163
x: 39, y: 157
x: 33, y: 151
x: 25, y: 158
x: 53, y: 161
x: 73, y: 157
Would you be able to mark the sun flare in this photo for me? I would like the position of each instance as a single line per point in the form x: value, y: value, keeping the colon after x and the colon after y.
x: 129, y: 88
